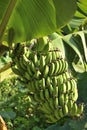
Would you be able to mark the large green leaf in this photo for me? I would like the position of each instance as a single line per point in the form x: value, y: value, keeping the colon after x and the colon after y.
x: 36, y: 18
x: 80, y: 15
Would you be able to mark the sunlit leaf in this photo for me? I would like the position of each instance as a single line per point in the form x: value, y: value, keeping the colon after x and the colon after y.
x: 36, y: 18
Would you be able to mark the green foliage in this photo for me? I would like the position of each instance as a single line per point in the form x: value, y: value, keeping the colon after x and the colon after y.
x: 36, y: 18
x: 15, y: 106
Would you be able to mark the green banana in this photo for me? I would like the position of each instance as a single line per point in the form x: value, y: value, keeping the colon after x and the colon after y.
x: 29, y: 70
x: 70, y: 104
x: 57, y: 54
x: 48, y: 59
x: 80, y: 109
x: 62, y: 88
x: 42, y: 95
x: 42, y: 62
x: 51, y: 89
x: 56, y: 67
x: 68, y: 86
x: 51, y: 103
x: 66, y: 65
x: 42, y: 83
x: 18, y: 64
x: 35, y: 59
x: 48, y: 81
x: 56, y: 102
x: 16, y: 71
x: 45, y: 108
x: 25, y: 60
x: 66, y: 98
x: 32, y: 86
x: 60, y: 112
x: 37, y: 98
x: 51, y: 119
x: 73, y: 111
x: 60, y: 66
x: 59, y: 80
x: 37, y: 74
x: 23, y: 66
x: 61, y: 100
x: 75, y: 95
x: 46, y: 71
x: 65, y: 109
x: 36, y: 84
x: 55, y: 91
x: 47, y: 47
x: 73, y: 84
x: 65, y: 76
x: 70, y: 95
x: 47, y: 95
x: 53, y: 56
x: 32, y: 66
x: 41, y: 42
x: 51, y: 68
x: 27, y: 76
x: 54, y: 80
x: 56, y: 114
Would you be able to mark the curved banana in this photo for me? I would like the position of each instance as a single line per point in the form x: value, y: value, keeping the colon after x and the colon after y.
x: 75, y: 95
x: 29, y: 70
x: 56, y: 67
x: 57, y: 54
x: 53, y: 56
x: 65, y: 110
x: 68, y: 86
x: 51, y: 103
x: 70, y: 104
x: 37, y: 74
x: 46, y: 107
x: 47, y: 95
x: 23, y: 66
x: 54, y: 81
x: 16, y: 71
x: 42, y: 95
x: 48, y: 81
x: 42, y: 83
x: 51, y: 68
x: 73, y: 111
x: 61, y: 100
x: 36, y: 84
x: 66, y: 98
x: 55, y: 91
x: 27, y: 76
x: 25, y: 60
x: 46, y: 71
x: 42, y: 62
x: 51, y: 89
x: 48, y: 59
x: 60, y: 112
x: 80, y: 109
x: 32, y: 66
x: 56, y: 114
x: 56, y: 102
x: 66, y: 65
x: 35, y: 59
x: 62, y: 88
x: 37, y: 98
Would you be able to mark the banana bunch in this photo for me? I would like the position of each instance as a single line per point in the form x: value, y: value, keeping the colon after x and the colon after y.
x: 45, y: 73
